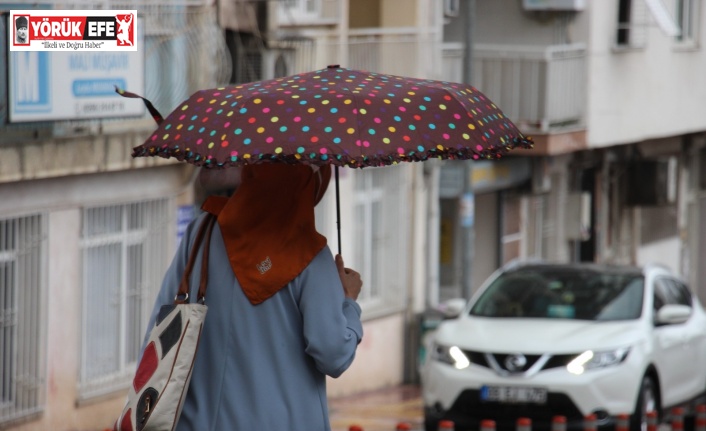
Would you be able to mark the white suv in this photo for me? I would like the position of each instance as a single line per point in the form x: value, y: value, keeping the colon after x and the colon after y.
x: 539, y: 340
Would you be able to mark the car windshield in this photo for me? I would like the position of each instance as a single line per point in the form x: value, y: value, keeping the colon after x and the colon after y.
x: 563, y: 293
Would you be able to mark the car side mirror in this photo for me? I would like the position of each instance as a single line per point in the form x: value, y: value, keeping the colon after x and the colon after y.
x: 452, y: 308
x: 671, y: 314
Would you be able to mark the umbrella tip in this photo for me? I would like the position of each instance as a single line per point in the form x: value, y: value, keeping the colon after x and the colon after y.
x: 333, y: 66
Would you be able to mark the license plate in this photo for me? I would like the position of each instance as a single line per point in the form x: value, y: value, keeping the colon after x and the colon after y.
x: 513, y: 394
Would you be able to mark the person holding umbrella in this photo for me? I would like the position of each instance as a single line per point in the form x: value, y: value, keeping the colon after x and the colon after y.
x: 282, y: 312
x: 266, y: 363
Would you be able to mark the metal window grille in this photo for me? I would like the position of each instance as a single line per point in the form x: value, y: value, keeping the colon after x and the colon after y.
x: 380, y: 223
x: 124, y: 257
x: 540, y: 87
x: 22, y: 316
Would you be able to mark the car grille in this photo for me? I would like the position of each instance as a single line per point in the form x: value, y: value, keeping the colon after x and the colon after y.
x: 468, y: 410
x: 498, y: 361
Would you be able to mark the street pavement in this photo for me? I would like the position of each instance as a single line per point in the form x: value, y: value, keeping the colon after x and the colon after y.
x: 379, y: 410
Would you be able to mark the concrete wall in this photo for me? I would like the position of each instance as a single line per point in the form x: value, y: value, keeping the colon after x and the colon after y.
x: 506, y: 22
x: 398, y: 13
x: 61, y: 199
x: 365, y: 14
x: 485, y: 256
x: 665, y: 252
x: 378, y: 361
x: 634, y: 95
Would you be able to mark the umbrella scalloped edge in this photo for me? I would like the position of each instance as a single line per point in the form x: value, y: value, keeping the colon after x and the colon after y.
x: 194, y: 158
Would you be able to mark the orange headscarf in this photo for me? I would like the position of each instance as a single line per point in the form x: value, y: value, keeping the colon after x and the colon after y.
x: 268, y: 225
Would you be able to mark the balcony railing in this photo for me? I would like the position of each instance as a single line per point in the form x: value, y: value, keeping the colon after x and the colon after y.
x: 396, y: 51
x: 541, y: 88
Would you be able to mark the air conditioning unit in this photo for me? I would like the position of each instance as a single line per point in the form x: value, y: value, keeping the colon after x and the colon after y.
x: 558, y: 5
x: 277, y: 63
x: 651, y: 182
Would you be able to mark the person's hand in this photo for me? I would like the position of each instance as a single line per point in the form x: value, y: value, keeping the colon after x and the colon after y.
x: 349, y: 278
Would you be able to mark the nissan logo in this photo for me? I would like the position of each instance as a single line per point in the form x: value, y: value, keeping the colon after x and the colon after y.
x: 515, y: 362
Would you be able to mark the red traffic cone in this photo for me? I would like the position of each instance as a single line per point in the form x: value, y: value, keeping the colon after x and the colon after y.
x: 524, y: 424
x: 700, y: 421
x: 677, y: 418
x: 623, y: 423
x: 559, y: 423
x: 446, y: 425
x: 589, y: 422
x: 487, y: 425
x: 355, y: 428
x: 652, y: 420
x: 403, y: 426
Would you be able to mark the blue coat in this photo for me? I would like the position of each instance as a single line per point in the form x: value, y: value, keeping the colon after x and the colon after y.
x: 264, y: 367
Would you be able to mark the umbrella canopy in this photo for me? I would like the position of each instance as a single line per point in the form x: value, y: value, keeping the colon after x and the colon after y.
x: 334, y: 116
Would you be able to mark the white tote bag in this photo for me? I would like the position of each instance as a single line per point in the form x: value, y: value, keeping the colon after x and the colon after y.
x: 158, y: 390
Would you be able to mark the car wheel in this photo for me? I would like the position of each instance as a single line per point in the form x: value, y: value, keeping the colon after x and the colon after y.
x: 647, y: 400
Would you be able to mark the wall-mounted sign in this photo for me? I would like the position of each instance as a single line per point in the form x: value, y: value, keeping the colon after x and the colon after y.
x: 73, y: 85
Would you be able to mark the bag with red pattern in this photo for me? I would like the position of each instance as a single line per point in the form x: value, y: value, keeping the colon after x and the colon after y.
x: 158, y: 390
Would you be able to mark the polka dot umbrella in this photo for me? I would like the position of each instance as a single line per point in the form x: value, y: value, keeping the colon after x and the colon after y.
x: 333, y: 116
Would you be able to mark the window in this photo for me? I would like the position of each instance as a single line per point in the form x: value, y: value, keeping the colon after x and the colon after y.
x: 124, y: 259
x: 22, y: 316
x: 246, y: 50
x: 687, y: 18
x: 292, y: 10
x: 183, y: 44
x: 379, y: 224
x: 631, y: 25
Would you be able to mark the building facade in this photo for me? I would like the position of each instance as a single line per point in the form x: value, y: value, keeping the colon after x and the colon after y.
x: 86, y: 231
x: 612, y: 93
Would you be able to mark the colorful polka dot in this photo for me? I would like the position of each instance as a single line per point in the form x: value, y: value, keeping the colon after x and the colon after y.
x: 364, y: 115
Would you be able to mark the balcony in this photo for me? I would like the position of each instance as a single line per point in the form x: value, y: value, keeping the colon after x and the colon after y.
x: 541, y: 88
x: 396, y: 51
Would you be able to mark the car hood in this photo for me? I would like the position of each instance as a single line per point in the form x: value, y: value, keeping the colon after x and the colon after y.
x: 537, y: 335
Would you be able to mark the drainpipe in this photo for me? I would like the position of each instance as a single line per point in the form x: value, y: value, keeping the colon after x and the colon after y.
x: 467, y: 232
x: 468, y: 51
x: 343, y: 27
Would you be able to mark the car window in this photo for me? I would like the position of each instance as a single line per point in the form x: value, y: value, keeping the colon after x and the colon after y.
x: 563, y: 293
x: 628, y: 302
x: 661, y: 294
x: 682, y: 293
x: 671, y: 291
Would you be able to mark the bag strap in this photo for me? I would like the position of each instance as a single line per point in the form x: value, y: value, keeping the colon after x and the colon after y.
x: 203, y: 282
x: 182, y: 296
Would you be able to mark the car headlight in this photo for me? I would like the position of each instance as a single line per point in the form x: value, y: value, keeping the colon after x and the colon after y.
x: 452, y: 355
x: 591, y: 360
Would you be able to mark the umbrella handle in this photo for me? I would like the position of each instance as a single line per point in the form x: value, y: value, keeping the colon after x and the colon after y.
x: 338, y: 210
